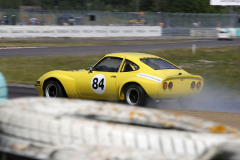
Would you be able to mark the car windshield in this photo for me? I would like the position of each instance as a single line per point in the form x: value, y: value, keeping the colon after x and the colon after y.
x: 108, y: 64
x: 158, y: 64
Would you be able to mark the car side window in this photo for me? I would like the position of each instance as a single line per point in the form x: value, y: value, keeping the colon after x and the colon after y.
x: 129, y: 66
x: 108, y: 64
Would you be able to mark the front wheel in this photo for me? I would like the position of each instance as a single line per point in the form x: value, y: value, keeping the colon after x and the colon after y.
x: 53, y: 89
x: 135, y: 95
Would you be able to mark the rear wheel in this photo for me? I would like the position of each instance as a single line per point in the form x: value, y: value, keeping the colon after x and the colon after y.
x: 135, y: 95
x: 53, y: 89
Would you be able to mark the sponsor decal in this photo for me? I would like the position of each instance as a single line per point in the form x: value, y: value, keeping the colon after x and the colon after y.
x: 62, y: 31
x: 114, y: 31
x: 128, y: 31
x: 75, y: 31
x: 32, y: 31
x: 141, y: 31
x: 156, y: 79
x: 87, y: 31
x: 17, y: 31
x: 100, y: 31
x: 98, y: 84
x: 47, y: 31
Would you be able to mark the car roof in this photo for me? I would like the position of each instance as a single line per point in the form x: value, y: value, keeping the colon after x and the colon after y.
x: 132, y: 55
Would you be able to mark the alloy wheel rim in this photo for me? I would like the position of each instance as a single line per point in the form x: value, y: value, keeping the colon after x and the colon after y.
x: 132, y: 96
x: 51, y: 91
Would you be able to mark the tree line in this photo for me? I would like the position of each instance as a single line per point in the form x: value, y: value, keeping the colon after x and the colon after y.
x: 181, y: 6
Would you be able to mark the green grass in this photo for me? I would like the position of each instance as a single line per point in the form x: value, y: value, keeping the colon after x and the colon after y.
x: 28, y: 70
x: 218, y: 66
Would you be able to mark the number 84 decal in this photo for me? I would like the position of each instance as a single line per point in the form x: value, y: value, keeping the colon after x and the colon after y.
x: 98, y: 84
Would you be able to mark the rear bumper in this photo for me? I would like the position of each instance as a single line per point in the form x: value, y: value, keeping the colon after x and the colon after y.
x: 181, y: 87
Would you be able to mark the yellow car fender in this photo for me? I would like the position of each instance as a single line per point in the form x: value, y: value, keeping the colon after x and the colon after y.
x: 64, y: 80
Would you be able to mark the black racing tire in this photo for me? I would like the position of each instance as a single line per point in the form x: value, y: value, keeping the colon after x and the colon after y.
x: 52, y: 89
x: 135, y: 95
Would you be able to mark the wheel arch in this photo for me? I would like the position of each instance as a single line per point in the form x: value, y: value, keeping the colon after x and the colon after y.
x: 124, y: 87
x: 57, y: 80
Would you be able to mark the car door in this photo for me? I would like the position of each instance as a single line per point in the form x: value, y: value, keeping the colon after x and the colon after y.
x: 100, y: 81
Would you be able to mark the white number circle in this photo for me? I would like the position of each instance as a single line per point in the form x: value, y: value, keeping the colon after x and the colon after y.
x: 98, y: 84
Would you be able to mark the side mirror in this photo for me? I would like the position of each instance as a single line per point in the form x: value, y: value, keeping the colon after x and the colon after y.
x: 90, y: 70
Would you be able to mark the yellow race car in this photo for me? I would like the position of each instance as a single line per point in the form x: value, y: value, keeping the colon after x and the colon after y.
x: 133, y: 77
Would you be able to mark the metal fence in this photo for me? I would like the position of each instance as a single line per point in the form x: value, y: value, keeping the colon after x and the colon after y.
x: 167, y: 20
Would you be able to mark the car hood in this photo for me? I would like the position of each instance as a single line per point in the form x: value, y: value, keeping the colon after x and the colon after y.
x: 68, y: 73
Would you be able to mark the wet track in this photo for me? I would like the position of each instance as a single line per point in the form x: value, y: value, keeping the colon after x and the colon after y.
x: 205, y: 102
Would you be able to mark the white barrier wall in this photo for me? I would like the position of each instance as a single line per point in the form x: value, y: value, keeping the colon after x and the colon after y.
x: 203, y: 32
x: 213, y: 32
x: 80, y: 31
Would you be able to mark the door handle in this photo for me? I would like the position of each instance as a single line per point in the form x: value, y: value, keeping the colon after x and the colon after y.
x: 113, y: 76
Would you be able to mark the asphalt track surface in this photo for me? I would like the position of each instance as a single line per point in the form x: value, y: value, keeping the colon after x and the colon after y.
x: 83, y: 50
x: 207, y: 101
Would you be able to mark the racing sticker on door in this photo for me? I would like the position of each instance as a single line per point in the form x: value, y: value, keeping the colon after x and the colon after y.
x: 98, y: 84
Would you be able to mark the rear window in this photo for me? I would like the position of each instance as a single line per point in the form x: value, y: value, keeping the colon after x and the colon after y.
x: 158, y: 64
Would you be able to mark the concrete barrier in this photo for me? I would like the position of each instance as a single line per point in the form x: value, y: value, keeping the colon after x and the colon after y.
x: 80, y: 31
